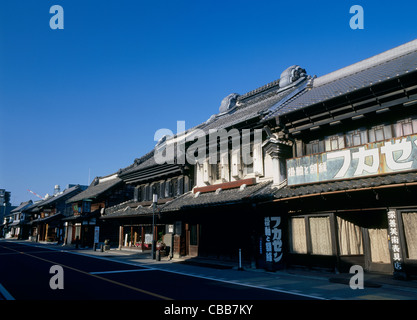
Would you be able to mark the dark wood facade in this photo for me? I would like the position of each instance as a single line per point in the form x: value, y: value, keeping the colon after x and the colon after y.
x: 139, y: 221
x: 87, y: 208
x: 360, y: 219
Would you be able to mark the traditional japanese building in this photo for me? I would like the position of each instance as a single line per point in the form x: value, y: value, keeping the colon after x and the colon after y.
x: 351, y: 174
x: 33, y: 213
x: 16, y: 226
x: 139, y: 219
x: 47, y: 215
x: 309, y: 171
x: 231, y: 165
x: 88, y: 206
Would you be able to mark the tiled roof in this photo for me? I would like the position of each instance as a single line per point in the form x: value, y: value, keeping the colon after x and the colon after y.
x: 224, y: 197
x: 47, y: 219
x: 60, y: 196
x: 251, y: 109
x: 250, y: 106
x: 35, y: 207
x: 127, y: 209
x: 346, y: 185
x: 140, y: 163
x: 390, y: 64
x: 22, y: 206
x: 186, y: 201
x: 96, y: 188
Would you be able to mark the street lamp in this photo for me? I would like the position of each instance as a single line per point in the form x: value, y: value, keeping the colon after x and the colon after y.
x: 154, y: 201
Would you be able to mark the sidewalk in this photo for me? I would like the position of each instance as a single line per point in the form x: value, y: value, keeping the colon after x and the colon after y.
x: 304, y: 282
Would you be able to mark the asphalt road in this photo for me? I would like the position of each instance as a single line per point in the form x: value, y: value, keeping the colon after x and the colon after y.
x: 25, y: 274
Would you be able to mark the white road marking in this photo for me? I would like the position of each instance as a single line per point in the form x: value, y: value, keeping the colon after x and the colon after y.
x: 191, y: 275
x: 5, y: 293
x: 120, y: 271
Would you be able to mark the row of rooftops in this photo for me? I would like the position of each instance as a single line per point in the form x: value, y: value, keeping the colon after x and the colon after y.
x: 293, y: 91
x: 34, y: 207
x: 272, y: 100
x: 277, y: 99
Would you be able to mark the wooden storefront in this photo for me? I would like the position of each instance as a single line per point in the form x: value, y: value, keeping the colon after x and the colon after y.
x: 354, y: 224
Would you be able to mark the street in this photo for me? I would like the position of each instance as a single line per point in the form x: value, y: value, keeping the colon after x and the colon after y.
x: 25, y: 274
x: 40, y: 274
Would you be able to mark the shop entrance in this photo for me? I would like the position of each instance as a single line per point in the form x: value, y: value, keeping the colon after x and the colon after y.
x: 363, y: 240
x: 76, y: 232
x: 192, y: 232
x: 378, y: 258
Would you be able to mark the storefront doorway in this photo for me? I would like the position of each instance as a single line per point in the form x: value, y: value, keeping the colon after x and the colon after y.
x: 192, y: 239
x: 341, y: 239
x: 363, y: 240
x: 378, y: 258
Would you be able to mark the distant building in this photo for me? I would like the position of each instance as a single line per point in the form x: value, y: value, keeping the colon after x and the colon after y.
x: 4, y: 197
x: 16, y: 221
x: 47, y: 215
x: 5, y: 209
x: 88, y: 206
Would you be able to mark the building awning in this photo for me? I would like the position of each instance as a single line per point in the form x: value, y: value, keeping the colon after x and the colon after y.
x: 352, y: 185
x: 203, y: 197
x: 72, y: 218
x: 82, y: 217
x: 129, y: 210
x: 47, y: 219
x: 220, y: 197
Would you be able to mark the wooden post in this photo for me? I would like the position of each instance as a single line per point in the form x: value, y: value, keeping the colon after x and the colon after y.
x: 120, y: 237
x: 131, y: 235
x: 187, y: 240
x: 142, y: 240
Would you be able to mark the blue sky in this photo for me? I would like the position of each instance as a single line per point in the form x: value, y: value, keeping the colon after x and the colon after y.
x: 87, y: 100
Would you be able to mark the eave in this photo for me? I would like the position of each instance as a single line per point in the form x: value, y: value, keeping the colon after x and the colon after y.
x: 390, y: 95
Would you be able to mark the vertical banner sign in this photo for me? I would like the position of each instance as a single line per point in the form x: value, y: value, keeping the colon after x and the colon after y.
x: 273, y: 242
x: 394, y: 240
x: 96, y: 234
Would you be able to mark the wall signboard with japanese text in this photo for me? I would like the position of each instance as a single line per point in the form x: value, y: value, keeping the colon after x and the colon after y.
x: 394, y: 240
x: 273, y: 242
x: 389, y: 156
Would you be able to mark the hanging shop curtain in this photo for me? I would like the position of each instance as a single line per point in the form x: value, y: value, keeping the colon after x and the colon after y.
x: 298, y: 235
x: 410, y: 227
x: 379, y: 245
x: 321, y: 242
x: 350, y: 238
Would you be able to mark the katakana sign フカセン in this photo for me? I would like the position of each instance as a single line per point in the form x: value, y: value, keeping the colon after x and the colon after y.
x: 389, y: 156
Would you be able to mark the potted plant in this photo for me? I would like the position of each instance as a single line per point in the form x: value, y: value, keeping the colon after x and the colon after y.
x: 160, y: 245
x: 106, y: 244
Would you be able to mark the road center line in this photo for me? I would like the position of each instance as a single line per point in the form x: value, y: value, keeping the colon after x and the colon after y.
x: 93, y: 275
